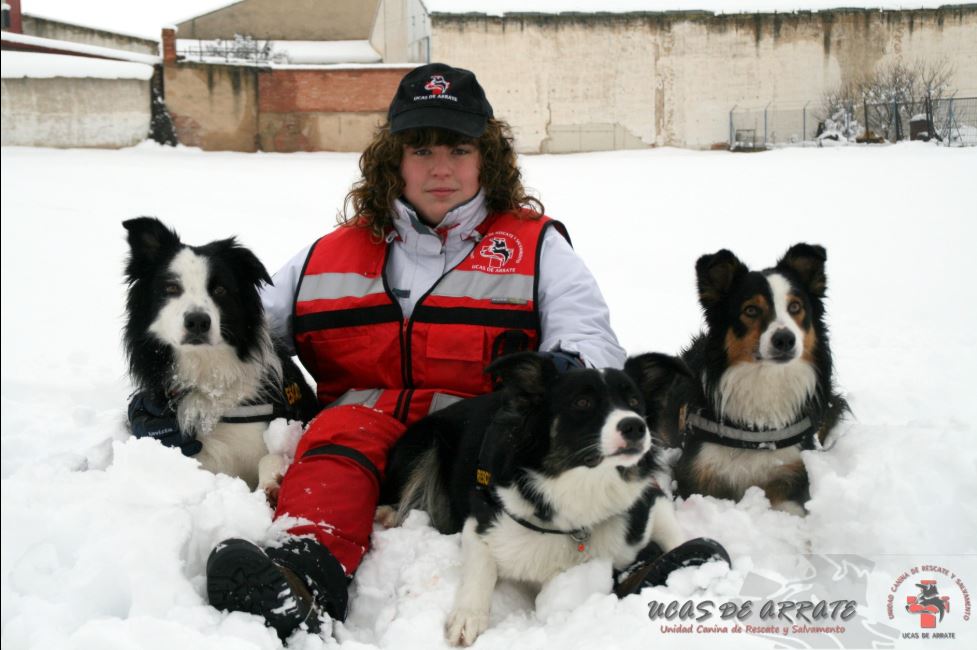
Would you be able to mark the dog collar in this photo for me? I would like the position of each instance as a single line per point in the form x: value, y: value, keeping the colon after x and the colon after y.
x: 579, y: 535
x: 707, y: 430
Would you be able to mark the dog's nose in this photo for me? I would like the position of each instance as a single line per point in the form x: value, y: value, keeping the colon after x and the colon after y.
x: 196, y: 322
x: 632, y: 429
x: 783, y: 340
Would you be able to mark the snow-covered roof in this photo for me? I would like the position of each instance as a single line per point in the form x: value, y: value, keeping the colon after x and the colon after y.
x: 44, y: 66
x: 141, y: 19
x: 501, y: 7
x: 80, y: 48
x: 290, y: 52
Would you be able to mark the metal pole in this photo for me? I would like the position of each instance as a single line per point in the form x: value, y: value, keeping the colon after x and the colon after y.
x: 731, y: 142
x: 765, y: 124
x: 804, y: 122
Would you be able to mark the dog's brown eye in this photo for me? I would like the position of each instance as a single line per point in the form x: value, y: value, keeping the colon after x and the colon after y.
x: 582, y: 403
x: 172, y: 289
x: 794, y: 307
x: 751, y: 311
x: 634, y: 403
x: 219, y: 290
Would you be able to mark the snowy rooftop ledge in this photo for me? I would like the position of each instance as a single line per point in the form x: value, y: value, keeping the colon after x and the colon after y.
x: 281, y: 52
x: 80, y: 48
x: 38, y: 65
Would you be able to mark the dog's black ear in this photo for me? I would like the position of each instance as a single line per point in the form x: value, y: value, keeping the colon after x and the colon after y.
x: 149, y: 242
x: 524, y: 374
x: 654, y: 373
x: 716, y: 274
x: 246, y: 262
x: 807, y: 262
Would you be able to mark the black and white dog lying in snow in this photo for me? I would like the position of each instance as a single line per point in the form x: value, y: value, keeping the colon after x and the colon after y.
x: 546, y: 473
x: 762, y: 388
x: 201, y: 356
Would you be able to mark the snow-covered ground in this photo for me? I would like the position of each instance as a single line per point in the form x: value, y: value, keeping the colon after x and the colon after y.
x: 104, y: 539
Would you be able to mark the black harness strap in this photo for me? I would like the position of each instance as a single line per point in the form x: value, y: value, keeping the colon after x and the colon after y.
x: 346, y: 452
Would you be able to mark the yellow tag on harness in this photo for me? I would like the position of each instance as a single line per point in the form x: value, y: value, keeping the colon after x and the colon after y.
x: 293, y: 393
x: 483, y: 477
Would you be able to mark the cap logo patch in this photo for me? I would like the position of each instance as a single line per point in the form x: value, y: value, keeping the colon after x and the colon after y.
x: 438, y: 85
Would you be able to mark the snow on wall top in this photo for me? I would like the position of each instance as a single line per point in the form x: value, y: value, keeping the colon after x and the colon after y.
x: 291, y: 52
x: 146, y: 19
x: 501, y: 7
x: 81, y: 48
x: 45, y: 66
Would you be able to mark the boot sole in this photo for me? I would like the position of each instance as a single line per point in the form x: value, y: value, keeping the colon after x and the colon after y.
x: 241, y: 578
x: 655, y: 573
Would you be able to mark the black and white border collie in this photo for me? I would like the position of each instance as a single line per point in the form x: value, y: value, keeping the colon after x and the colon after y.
x: 546, y: 473
x: 763, y: 380
x: 196, y: 339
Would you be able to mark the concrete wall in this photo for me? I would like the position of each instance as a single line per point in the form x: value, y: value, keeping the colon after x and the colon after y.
x: 46, y: 28
x: 244, y: 108
x: 601, y: 81
x: 286, y: 20
x: 75, y: 112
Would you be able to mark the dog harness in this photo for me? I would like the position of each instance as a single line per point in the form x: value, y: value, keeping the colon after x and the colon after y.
x: 703, y: 429
x: 350, y: 332
x: 275, y: 400
x: 484, y: 489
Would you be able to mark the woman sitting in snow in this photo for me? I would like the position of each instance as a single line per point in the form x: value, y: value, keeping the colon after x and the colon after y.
x: 394, y: 311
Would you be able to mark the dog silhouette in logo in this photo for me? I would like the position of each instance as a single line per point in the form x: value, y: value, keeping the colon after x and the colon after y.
x: 438, y: 85
x: 497, y: 252
x: 929, y: 601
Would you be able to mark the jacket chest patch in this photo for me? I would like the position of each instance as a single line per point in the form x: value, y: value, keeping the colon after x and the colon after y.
x: 498, y: 252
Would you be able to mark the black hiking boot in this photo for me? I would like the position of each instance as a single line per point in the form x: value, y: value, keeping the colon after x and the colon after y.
x: 652, y: 567
x: 290, y: 586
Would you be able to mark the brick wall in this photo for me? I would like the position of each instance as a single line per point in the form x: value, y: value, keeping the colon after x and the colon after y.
x: 221, y: 107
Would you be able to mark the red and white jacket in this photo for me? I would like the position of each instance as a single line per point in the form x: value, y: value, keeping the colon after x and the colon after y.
x: 424, y: 311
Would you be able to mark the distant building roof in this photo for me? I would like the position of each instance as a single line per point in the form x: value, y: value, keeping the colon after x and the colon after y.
x: 142, y: 19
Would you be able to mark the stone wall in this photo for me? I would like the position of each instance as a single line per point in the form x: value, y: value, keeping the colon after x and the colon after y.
x: 74, y: 112
x: 578, y: 82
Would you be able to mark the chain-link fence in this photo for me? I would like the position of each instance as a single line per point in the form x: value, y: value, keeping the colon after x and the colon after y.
x: 952, y: 122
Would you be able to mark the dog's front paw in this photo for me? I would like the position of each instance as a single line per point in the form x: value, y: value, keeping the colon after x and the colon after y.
x: 271, y: 491
x: 386, y: 516
x: 464, y: 626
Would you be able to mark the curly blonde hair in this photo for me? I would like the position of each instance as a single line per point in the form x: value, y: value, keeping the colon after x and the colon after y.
x: 369, y: 203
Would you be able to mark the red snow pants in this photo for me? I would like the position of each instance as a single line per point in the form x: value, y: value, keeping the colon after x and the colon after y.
x: 334, y: 482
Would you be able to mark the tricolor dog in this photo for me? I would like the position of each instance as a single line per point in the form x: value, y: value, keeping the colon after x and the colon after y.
x: 198, y: 344
x: 546, y: 473
x: 762, y: 388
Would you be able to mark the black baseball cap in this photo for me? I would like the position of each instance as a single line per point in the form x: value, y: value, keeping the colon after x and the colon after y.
x: 440, y: 96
